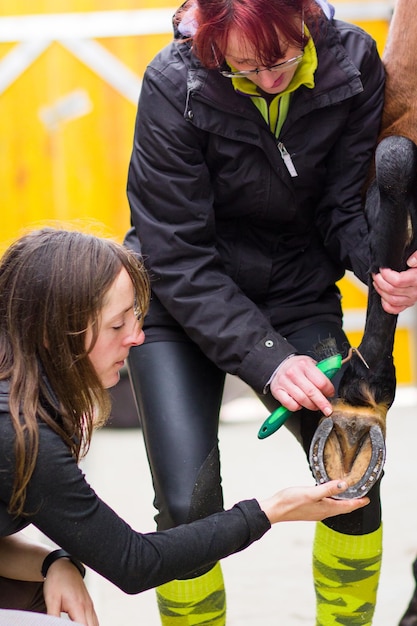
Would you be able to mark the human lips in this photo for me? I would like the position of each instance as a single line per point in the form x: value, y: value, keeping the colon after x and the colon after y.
x: 278, y: 81
x: 278, y: 85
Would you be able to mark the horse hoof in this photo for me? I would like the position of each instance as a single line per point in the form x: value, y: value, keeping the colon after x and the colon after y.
x: 328, y: 457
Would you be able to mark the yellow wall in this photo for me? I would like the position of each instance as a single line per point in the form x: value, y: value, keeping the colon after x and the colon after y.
x: 73, y: 165
x: 77, y: 167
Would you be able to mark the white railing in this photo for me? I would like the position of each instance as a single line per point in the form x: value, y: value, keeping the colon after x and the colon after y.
x: 98, y: 24
x: 358, y: 11
x: 76, y: 32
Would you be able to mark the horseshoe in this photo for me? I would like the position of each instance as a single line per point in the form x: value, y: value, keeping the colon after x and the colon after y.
x: 370, y: 476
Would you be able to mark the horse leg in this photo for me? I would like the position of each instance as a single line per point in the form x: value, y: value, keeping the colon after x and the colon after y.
x: 351, y: 443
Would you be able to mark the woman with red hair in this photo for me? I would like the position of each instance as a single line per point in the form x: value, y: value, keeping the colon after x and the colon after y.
x: 255, y: 130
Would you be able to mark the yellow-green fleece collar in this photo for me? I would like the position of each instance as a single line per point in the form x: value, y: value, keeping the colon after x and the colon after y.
x: 276, y: 112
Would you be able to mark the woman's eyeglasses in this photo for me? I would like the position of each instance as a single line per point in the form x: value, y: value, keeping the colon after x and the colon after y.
x: 279, y: 67
x: 284, y: 66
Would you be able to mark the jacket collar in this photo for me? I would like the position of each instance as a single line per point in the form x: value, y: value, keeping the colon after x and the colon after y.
x: 304, y: 75
x: 336, y: 78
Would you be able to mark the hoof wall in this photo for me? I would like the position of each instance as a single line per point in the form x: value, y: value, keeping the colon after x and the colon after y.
x: 370, y: 476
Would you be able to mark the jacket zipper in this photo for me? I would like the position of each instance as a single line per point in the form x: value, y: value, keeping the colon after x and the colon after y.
x: 287, y: 159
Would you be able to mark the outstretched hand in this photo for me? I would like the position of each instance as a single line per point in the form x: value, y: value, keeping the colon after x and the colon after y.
x: 299, y: 383
x: 310, y: 503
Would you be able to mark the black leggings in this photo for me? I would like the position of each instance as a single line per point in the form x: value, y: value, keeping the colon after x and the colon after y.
x: 179, y: 394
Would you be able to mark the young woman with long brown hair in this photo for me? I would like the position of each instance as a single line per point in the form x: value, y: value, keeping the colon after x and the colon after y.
x: 71, y: 307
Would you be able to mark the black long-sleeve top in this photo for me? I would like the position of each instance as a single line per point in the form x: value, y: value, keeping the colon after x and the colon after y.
x: 63, y: 506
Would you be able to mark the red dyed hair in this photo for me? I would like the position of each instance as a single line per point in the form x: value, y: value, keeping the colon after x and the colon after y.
x: 259, y: 22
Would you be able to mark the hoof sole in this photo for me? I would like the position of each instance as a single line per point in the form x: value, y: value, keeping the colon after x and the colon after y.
x: 371, y: 474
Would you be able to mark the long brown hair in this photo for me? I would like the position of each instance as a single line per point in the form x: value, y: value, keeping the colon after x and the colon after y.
x: 52, y: 287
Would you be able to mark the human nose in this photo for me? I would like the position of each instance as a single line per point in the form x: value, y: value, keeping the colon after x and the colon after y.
x: 137, y: 336
x: 266, y: 79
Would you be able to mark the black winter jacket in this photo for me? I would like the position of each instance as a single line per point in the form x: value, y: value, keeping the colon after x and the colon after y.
x: 239, y: 252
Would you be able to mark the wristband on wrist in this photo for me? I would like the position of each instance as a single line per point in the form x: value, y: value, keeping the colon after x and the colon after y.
x: 60, y: 554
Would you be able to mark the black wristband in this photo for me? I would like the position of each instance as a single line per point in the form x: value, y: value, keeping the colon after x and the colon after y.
x: 60, y: 554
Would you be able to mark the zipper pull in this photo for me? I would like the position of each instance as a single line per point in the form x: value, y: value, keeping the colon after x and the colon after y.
x: 287, y: 159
